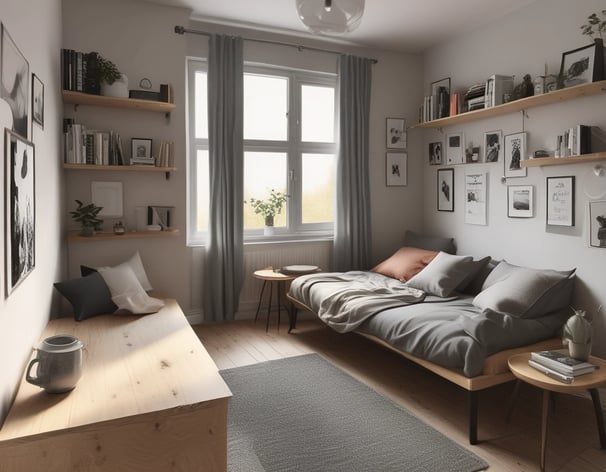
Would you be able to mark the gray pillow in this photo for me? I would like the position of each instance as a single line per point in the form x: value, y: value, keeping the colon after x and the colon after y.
x: 472, y: 284
x: 431, y: 243
x: 89, y: 296
x: 443, y: 274
x: 525, y: 292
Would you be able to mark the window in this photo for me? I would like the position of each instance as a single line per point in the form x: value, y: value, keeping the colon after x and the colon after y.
x: 289, y: 146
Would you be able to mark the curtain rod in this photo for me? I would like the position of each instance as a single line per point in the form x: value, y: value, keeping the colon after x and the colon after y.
x: 183, y: 30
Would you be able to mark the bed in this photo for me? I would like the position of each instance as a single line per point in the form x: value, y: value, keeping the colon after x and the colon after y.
x: 459, y: 317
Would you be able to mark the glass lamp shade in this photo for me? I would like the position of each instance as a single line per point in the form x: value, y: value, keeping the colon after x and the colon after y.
x: 330, y: 16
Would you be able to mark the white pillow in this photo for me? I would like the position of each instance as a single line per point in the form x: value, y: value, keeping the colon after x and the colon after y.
x: 127, y: 292
x: 136, y: 265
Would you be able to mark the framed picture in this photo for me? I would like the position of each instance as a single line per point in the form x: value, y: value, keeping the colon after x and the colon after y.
x: 107, y: 195
x: 396, y: 164
x: 37, y: 101
x: 597, y: 224
x: 560, y: 201
x: 515, y: 152
x: 14, y: 78
x: 455, y: 145
x: 435, y: 153
x: 20, y: 209
x: 582, y: 65
x: 395, y: 133
x: 445, y: 189
x: 475, y: 198
x: 440, y: 91
x: 493, y: 148
x: 141, y: 148
x: 520, y: 201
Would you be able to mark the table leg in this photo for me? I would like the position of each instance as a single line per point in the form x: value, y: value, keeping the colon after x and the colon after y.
x: 545, y: 415
x: 260, y: 300
x: 279, y: 284
x: 599, y: 416
x: 268, y: 309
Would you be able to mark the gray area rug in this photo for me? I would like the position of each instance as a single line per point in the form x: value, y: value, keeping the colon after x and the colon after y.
x: 304, y: 414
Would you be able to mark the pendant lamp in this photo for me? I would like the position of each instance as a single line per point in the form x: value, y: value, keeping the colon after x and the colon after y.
x: 330, y: 16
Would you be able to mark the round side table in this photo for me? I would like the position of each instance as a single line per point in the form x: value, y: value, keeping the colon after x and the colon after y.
x: 276, y: 279
x: 518, y: 365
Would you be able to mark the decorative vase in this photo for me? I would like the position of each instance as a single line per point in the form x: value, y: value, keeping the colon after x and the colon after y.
x: 118, y: 89
x: 269, y: 229
x: 87, y: 231
x: 578, y: 335
x: 579, y: 351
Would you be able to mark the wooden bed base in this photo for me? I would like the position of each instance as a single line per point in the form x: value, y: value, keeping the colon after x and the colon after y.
x: 495, y: 370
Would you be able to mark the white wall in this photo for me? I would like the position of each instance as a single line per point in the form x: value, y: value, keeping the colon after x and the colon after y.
x: 26, y: 311
x: 523, y: 43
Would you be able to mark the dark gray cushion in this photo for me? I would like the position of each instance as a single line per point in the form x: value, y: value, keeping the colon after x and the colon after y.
x: 431, y: 243
x: 89, y: 296
x: 472, y: 283
x: 442, y: 275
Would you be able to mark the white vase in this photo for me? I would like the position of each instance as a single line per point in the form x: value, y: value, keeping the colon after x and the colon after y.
x: 269, y: 231
x: 118, y: 89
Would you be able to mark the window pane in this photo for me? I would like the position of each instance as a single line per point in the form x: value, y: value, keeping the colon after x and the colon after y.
x: 263, y: 171
x: 317, y: 114
x: 202, y: 190
x: 318, y: 188
x: 265, y: 107
x: 201, y: 108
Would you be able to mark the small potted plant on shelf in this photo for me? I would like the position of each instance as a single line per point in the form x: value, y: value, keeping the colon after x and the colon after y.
x: 269, y: 208
x: 86, y: 215
x: 594, y: 21
x: 113, y: 83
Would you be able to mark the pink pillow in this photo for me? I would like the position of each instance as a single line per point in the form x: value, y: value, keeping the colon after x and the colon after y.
x: 405, y: 263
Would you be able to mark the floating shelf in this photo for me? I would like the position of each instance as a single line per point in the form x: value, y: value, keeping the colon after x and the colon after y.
x: 558, y: 161
x: 119, y: 168
x: 109, y: 236
x: 584, y: 90
x: 79, y: 98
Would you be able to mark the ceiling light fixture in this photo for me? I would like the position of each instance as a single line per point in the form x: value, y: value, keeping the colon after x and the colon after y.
x: 330, y: 16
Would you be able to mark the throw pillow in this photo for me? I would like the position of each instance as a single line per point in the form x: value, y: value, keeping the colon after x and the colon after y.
x: 89, y: 296
x: 477, y: 271
x: 430, y: 243
x: 405, y: 263
x: 127, y: 292
x: 443, y: 274
x: 134, y: 263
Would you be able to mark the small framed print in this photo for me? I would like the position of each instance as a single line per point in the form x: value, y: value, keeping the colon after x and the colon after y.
x: 520, y: 201
x: 455, y: 144
x: 560, y: 201
x: 493, y: 146
x: 515, y: 152
x: 395, y: 133
x: 445, y: 189
x: 475, y: 198
x: 107, y: 195
x: 435, y: 153
x: 37, y: 101
x: 396, y: 169
x: 582, y: 65
x: 597, y: 224
x: 141, y: 148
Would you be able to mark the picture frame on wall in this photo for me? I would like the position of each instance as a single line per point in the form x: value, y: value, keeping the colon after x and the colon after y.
x: 582, y: 65
x: 475, y: 198
x: 14, y: 78
x: 395, y: 131
x: 455, y: 145
x: 560, y: 200
x: 515, y: 153
x: 493, y: 146
x: 396, y: 169
x: 597, y: 224
x: 37, y: 101
x: 445, y: 189
x: 435, y: 153
x: 520, y: 201
x: 19, y: 209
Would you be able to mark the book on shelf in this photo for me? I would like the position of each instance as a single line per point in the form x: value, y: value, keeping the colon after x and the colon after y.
x: 554, y: 374
x: 91, y: 147
x: 497, y: 86
x: 562, y: 363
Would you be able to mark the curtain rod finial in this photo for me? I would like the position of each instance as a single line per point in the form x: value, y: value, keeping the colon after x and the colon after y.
x: 179, y: 29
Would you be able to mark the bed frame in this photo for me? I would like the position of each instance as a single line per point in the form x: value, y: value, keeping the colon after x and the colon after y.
x: 495, y: 370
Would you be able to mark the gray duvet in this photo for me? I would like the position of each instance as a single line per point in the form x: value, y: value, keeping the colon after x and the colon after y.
x: 449, y: 332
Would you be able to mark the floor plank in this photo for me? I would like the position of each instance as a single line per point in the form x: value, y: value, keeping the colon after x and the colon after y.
x: 508, y: 446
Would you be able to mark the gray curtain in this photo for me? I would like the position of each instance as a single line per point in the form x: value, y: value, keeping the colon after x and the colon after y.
x: 352, y: 223
x: 223, y: 262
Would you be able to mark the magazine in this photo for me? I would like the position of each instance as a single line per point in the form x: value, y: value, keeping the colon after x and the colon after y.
x: 562, y: 363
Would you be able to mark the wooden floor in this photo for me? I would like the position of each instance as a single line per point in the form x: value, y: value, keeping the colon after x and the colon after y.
x: 572, y: 445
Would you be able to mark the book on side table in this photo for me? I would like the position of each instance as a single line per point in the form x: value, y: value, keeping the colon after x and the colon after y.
x: 562, y: 363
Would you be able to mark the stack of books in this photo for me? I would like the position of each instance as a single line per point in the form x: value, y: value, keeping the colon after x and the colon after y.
x: 497, y: 87
x: 475, y: 97
x: 559, y: 366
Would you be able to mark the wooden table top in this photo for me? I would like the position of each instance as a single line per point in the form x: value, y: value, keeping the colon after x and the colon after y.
x: 271, y: 276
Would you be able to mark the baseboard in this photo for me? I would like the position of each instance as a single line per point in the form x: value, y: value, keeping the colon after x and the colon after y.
x: 194, y: 316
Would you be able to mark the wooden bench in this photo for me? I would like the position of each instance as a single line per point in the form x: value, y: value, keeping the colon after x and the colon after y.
x: 150, y: 399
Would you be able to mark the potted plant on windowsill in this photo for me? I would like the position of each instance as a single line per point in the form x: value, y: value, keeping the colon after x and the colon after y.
x: 86, y: 215
x: 269, y: 208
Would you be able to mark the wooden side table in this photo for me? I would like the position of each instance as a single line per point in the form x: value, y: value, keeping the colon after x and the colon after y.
x: 518, y: 365
x: 276, y: 279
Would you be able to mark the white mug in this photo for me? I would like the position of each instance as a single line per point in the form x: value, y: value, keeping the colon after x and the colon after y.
x: 59, y: 364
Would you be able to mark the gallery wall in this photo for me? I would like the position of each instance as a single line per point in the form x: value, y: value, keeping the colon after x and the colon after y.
x: 524, y: 43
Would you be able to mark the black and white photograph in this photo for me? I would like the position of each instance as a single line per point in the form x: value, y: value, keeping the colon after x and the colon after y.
x: 435, y: 153
x: 396, y: 133
x: 445, y: 189
x: 493, y: 149
x: 582, y: 65
x: 396, y: 169
x: 20, y: 211
x: 597, y: 224
x: 515, y: 152
x: 560, y: 201
x: 475, y: 198
x: 141, y: 150
x: 455, y: 148
x: 37, y: 101
x: 520, y: 201
x: 14, y: 83
x: 440, y: 91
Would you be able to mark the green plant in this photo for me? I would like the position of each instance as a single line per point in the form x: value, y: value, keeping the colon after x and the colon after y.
x: 271, y: 206
x: 593, y: 21
x: 107, y: 71
x: 86, y: 215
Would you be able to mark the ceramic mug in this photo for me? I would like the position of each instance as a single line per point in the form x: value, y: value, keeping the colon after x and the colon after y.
x: 59, y: 364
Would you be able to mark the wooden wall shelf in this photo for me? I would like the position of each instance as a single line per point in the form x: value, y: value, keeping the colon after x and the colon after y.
x: 584, y: 90
x: 73, y: 236
x: 558, y: 161
x: 118, y: 168
x: 78, y: 98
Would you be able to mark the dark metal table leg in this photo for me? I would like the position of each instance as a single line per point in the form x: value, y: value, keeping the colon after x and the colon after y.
x: 599, y: 416
x: 268, y: 308
x: 260, y: 300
